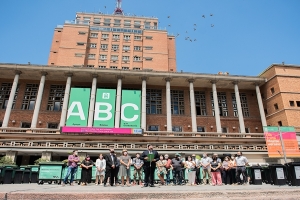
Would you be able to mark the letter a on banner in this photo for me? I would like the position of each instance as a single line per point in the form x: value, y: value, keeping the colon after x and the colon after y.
x: 78, y: 107
x: 105, y: 108
x: 131, y: 109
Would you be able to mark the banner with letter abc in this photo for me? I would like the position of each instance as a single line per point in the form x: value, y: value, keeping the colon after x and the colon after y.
x: 289, y: 138
x: 131, y: 109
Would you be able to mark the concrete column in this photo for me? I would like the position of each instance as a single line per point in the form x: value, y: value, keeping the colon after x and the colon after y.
x: 239, y: 108
x: 118, y: 102
x: 144, y: 90
x: 38, y: 101
x: 66, y: 100
x: 47, y: 155
x: 193, y: 106
x: 11, y: 99
x: 260, y: 106
x: 12, y: 155
x: 216, y: 107
x: 92, y: 101
x: 168, y: 98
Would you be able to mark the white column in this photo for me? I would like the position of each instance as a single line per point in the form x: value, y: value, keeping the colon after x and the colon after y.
x: 260, y: 106
x: 92, y: 101
x: 239, y: 108
x: 118, y: 102
x: 11, y: 99
x: 193, y: 106
x: 66, y: 100
x: 168, y: 98
x: 38, y: 101
x: 216, y: 107
x: 144, y: 85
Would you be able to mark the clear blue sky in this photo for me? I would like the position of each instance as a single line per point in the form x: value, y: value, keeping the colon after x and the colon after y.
x: 247, y: 36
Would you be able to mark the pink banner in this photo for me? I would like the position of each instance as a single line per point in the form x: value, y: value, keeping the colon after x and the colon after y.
x: 123, y: 131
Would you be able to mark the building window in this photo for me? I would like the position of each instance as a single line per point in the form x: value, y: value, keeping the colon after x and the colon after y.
x: 102, y: 67
x: 115, y: 47
x: 200, y: 102
x: 247, y: 130
x: 224, y: 130
x: 104, y: 46
x: 276, y: 106
x: 222, y: 104
x: 136, y: 68
x: 1, y: 123
x: 153, y: 128
x: 148, y: 48
x: 113, y: 67
x: 116, y: 36
x: 266, y: 111
x: 153, y: 101
x: 126, y: 48
x: 104, y: 36
x: 103, y: 57
x: 272, y: 90
x: 126, y: 37
x: 244, y: 105
x: 53, y: 125
x: 25, y: 125
x: 94, y: 35
x: 137, y: 37
x: 279, y: 123
x: 56, y: 97
x: 298, y: 103
x: 200, y: 129
x: 90, y: 66
x: 125, y: 68
x: 149, y: 37
x: 91, y: 56
x: 125, y: 58
x: 93, y: 45
x: 86, y: 18
x: 81, y: 33
x: 114, y: 57
x: 148, y: 58
x: 137, y: 24
x: 80, y: 43
x: 176, y: 128
x: 127, y: 23
x: 30, y: 96
x: 137, y: 48
x: 117, y: 22
x: 177, y: 102
x: 106, y: 22
x: 292, y: 103
x: 137, y: 58
x: 147, y: 25
x: 4, y: 95
x: 78, y: 54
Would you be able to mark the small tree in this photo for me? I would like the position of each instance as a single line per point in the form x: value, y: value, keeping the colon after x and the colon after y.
x: 5, y: 160
x: 38, y: 161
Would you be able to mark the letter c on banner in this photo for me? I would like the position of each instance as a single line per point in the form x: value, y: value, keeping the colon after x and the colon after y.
x: 107, y: 111
x: 135, y: 107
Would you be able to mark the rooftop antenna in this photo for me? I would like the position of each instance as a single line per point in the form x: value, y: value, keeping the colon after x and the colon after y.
x: 118, y: 10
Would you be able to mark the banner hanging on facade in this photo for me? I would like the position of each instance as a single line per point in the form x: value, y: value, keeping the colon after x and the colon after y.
x: 78, y: 107
x: 130, y: 109
x: 289, y: 138
x: 94, y: 130
x: 104, y: 115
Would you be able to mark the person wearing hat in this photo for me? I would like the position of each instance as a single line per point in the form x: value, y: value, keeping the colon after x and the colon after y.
x: 149, y: 165
x: 86, y: 172
x: 125, y: 163
x: 176, y: 166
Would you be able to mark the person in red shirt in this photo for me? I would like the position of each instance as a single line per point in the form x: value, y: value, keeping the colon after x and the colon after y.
x: 168, y: 168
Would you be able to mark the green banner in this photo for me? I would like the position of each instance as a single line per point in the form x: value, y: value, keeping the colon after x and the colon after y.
x: 130, y: 109
x: 105, y: 108
x: 78, y: 107
x: 50, y: 172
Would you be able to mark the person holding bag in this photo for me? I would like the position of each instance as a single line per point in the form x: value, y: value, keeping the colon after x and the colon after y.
x: 190, y: 165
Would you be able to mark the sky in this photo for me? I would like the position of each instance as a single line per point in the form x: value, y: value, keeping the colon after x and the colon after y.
x: 242, y: 37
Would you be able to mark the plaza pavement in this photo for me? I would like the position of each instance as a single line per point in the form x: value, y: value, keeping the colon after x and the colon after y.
x: 49, y: 192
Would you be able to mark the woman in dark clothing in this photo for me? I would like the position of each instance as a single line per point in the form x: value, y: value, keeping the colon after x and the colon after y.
x: 86, y: 173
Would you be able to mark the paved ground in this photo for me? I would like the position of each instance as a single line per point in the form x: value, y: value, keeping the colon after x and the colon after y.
x: 40, y: 192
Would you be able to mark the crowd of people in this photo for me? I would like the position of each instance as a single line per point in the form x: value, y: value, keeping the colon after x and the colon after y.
x: 232, y: 170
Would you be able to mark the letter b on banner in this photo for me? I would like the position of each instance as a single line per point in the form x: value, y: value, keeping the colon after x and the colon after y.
x: 131, y: 109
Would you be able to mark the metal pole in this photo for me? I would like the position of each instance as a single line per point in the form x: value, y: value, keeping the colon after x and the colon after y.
x: 282, y: 144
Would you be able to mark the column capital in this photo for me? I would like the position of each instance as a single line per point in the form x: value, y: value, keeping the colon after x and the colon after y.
x: 144, y: 78
x: 18, y: 72
x: 191, y: 80
x: 213, y: 81
x: 168, y: 79
x: 235, y: 82
x: 43, y: 73
x: 94, y: 75
x: 256, y: 84
x: 120, y: 77
x: 69, y: 74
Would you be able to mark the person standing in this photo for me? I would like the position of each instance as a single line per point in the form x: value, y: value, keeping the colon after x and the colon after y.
x: 176, y: 166
x: 137, y: 164
x: 206, y: 171
x: 100, y: 165
x: 232, y: 170
x: 168, y: 168
x: 118, y: 164
x: 241, y: 162
x: 149, y: 165
x: 215, y: 166
x: 111, y: 162
x: 226, y: 169
x: 125, y: 162
x: 161, y: 169
x: 72, y: 168
x: 190, y: 165
x: 197, y: 169
x: 86, y: 171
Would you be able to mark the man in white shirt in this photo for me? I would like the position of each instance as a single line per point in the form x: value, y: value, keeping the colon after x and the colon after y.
x: 206, y: 171
x: 241, y: 162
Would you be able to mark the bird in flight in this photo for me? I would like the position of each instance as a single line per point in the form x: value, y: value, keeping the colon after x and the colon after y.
x: 211, y: 14
x: 168, y: 16
x: 203, y: 16
x: 212, y: 25
x: 195, y: 29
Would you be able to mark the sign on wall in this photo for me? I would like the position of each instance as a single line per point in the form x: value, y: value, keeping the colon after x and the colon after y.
x: 78, y: 107
x: 104, y: 115
x: 131, y: 109
x: 273, y: 142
